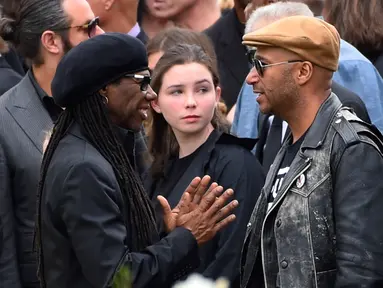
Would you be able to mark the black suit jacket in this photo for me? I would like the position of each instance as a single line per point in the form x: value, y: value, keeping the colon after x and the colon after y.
x: 9, y: 77
x: 348, y: 99
x: 231, y: 55
x: 82, y: 225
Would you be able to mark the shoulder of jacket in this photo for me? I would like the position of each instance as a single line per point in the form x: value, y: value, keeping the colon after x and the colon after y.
x: 231, y: 140
x: 353, y: 130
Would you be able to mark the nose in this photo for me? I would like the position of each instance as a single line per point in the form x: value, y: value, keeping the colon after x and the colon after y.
x: 150, y: 95
x: 253, y: 77
x: 190, y: 101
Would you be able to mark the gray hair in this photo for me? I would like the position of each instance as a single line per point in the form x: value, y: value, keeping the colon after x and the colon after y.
x: 277, y: 11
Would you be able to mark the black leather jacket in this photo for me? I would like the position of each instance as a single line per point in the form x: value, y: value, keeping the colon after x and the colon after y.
x: 326, y: 224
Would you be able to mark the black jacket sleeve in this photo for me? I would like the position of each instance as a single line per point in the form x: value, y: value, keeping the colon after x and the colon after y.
x: 91, y: 210
x: 358, y: 202
x: 242, y: 172
x: 9, y: 271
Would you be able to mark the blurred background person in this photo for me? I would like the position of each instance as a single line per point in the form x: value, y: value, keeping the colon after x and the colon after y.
x: 189, y: 138
x: 42, y: 31
x: 196, y: 15
x: 151, y: 24
x: 360, y: 23
x: 233, y: 66
x: 119, y: 16
x: 9, y: 77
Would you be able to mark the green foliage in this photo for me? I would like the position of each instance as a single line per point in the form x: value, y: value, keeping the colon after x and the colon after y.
x: 122, y: 278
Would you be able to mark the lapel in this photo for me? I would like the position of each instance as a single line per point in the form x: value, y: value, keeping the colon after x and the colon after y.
x: 299, y: 165
x: 232, y: 52
x: 29, y: 113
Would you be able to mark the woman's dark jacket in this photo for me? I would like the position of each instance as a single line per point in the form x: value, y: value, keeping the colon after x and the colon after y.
x: 84, y: 238
x: 229, y: 162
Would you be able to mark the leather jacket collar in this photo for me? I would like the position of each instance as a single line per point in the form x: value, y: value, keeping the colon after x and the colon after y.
x: 317, y: 132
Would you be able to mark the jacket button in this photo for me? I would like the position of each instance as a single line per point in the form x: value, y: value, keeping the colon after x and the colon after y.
x: 284, y: 264
x: 279, y: 223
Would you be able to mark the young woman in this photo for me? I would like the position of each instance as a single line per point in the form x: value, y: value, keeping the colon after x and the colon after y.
x: 188, y: 138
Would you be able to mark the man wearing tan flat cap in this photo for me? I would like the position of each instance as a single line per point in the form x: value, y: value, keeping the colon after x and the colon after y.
x: 317, y: 221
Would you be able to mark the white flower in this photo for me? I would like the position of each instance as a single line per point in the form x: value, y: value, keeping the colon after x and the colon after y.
x: 198, y: 281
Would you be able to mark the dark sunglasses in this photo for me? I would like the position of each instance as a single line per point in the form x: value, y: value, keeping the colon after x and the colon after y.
x: 260, y: 66
x: 143, y: 80
x: 90, y: 27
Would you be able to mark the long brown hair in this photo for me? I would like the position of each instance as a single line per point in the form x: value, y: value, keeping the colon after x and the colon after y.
x: 359, y: 22
x: 162, y: 141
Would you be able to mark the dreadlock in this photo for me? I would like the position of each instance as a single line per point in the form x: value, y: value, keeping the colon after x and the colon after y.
x: 93, y: 119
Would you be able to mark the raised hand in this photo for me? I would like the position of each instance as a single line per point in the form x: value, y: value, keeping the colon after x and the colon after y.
x: 196, y: 189
x: 210, y: 216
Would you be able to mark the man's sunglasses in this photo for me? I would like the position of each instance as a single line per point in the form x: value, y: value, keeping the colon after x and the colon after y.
x: 143, y: 80
x: 90, y: 27
x: 260, y: 66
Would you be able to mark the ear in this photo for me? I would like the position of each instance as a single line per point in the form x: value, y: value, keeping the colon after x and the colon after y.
x: 108, y: 4
x: 51, y: 42
x: 218, y: 92
x: 155, y: 106
x: 305, y: 73
x: 104, y: 91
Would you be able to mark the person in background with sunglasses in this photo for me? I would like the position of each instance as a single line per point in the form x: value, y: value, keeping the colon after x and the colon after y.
x: 42, y: 31
x: 94, y: 217
x: 317, y: 221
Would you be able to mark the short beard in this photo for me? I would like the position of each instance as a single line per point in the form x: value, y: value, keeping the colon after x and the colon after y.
x: 67, y: 46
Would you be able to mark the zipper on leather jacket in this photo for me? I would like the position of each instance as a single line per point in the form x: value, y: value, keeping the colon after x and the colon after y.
x: 304, y: 169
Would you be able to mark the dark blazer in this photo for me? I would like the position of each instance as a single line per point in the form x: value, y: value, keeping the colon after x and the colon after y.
x: 16, y: 62
x: 82, y: 225
x: 9, y: 77
x: 24, y: 123
x: 229, y: 162
x: 143, y: 37
x: 346, y: 97
x: 379, y: 64
x: 231, y: 55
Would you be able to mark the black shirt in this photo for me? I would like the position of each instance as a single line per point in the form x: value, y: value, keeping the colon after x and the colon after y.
x: 48, y: 102
x: 175, y: 169
x: 291, y: 151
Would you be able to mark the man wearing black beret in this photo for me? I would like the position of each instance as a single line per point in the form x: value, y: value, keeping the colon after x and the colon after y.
x: 93, y: 214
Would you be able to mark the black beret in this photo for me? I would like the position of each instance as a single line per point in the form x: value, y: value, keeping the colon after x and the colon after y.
x: 95, y: 63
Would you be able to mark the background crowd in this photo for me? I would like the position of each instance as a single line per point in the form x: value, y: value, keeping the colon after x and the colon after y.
x: 163, y: 156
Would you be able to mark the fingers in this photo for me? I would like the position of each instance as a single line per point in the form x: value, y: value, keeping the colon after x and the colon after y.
x: 165, y: 205
x: 208, y: 200
x: 184, y: 204
x: 222, y: 224
x: 225, y: 211
x: 220, y: 202
x: 193, y: 186
x: 201, y: 189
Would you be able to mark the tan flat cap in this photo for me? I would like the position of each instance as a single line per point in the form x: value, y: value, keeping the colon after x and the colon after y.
x: 312, y: 39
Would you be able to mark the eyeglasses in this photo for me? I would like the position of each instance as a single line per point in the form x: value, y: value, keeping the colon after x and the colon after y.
x: 143, y: 80
x: 260, y: 65
x: 90, y: 27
